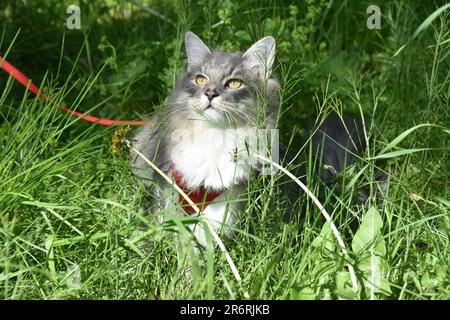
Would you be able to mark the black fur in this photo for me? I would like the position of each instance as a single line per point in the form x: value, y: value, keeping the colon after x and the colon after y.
x: 336, y: 144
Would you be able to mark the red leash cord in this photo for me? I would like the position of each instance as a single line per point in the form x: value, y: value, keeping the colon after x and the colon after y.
x: 200, y: 196
x: 25, y: 81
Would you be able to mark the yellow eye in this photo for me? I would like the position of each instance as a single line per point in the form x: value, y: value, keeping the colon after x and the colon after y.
x: 234, y: 84
x: 201, y: 81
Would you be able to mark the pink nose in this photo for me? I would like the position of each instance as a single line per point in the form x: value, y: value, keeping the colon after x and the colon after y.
x: 211, y: 94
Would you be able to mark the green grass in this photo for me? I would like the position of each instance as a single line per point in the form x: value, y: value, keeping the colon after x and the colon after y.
x: 69, y: 209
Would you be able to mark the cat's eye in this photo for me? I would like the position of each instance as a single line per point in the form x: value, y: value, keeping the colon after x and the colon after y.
x: 201, y: 81
x: 234, y: 84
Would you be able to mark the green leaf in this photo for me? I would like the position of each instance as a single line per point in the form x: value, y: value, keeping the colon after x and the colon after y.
x: 374, y: 268
x: 425, y: 24
x: 306, y: 293
x: 428, y: 21
x: 403, y: 135
x: 136, y: 67
x: 400, y: 50
x: 443, y: 201
x: 356, y: 178
x: 370, y: 227
x: 325, y: 239
x: 385, y: 155
x: 51, y: 256
x: 243, y: 35
x: 428, y: 282
x: 371, y: 249
x: 347, y: 294
x: 398, y: 153
x: 48, y: 205
x: 344, y: 288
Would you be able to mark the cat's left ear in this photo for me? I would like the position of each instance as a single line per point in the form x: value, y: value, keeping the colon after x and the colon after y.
x: 196, y: 50
x: 260, y: 57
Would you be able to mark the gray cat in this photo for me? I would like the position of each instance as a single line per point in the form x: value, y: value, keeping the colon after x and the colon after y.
x: 203, y: 136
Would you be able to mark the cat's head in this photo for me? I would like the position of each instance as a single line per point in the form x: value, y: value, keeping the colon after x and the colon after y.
x: 229, y: 89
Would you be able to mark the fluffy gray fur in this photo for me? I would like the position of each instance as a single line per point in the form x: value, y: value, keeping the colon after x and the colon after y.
x: 241, y: 108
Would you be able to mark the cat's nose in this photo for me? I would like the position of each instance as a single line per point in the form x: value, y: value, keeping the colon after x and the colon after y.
x: 211, y: 94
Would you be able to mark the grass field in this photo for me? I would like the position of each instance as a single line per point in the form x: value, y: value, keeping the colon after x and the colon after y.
x: 69, y: 221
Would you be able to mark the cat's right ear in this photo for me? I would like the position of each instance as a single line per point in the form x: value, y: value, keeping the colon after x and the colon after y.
x: 195, y: 48
x: 260, y: 56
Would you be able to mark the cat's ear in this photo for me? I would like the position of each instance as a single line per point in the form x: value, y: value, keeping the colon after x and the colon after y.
x: 195, y: 48
x: 260, y: 56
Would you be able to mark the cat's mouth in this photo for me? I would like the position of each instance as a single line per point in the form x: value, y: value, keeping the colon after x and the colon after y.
x: 212, y: 112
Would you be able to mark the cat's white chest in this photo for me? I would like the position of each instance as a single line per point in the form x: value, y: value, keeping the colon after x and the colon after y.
x: 213, y: 158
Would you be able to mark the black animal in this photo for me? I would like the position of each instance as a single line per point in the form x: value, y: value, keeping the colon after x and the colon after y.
x: 336, y: 144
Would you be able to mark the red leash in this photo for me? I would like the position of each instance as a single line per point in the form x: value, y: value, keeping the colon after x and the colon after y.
x: 200, y: 196
x: 25, y: 81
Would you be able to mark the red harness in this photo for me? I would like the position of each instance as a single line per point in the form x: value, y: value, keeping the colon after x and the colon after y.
x: 201, y: 197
